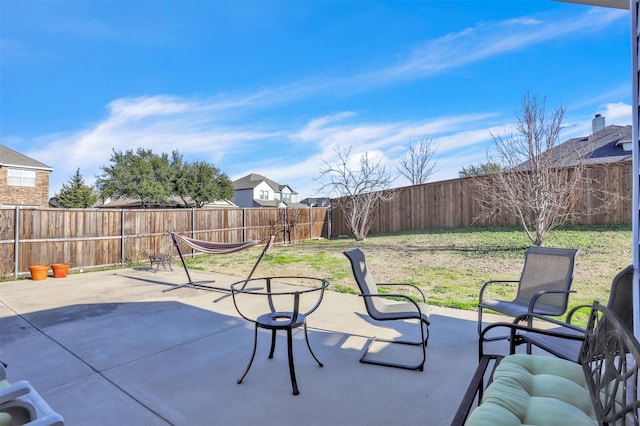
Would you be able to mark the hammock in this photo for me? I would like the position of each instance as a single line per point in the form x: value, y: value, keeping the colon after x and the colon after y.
x: 215, y: 248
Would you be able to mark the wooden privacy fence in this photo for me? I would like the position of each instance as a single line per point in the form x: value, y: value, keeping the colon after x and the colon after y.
x: 453, y: 204
x: 90, y: 238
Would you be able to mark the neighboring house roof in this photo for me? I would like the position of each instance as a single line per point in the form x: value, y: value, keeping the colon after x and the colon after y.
x: 295, y: 205
x: 316, y: 201
x: 11, y: 158
x: 252, y: 180
x: 278, y: 203
x: 604, y: 146
x: 266, y: 203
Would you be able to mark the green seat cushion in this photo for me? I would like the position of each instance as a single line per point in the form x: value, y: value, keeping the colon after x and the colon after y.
x: 5, y: 419
x: 535, y: 390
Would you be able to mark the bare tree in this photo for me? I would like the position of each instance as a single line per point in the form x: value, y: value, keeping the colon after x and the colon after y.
x: 359, y: 187
x: 418, y: 163
x: 291, y: 217
x: 535, y: 181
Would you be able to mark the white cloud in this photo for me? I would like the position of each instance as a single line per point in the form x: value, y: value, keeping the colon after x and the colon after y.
x: 222, y: 129
x: 485, y: 40
x: 617, y: 113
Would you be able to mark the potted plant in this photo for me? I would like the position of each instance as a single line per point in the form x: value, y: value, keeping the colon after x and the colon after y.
x: 60, y: 270
x: 39, y: 272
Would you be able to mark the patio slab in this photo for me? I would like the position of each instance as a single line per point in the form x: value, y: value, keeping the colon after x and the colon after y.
x: 112, y: 347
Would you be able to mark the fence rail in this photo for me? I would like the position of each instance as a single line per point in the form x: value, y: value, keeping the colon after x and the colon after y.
x: 91, y: 238
x: 452, y: 204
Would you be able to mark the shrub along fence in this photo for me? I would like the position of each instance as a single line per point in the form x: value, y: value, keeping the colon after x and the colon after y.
x: 453, y: 204
x: 91, y: 238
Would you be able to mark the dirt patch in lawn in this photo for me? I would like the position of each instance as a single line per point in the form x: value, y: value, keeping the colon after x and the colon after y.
x: 449, y: 266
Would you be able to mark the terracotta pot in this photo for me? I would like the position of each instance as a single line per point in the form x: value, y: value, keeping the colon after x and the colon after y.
x: 60, y: 270
x: 39, y: 272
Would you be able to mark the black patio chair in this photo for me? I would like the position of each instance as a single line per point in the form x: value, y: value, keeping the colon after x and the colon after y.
x: 620, y: 302
x: 543, y: 288
x: 380, y: 308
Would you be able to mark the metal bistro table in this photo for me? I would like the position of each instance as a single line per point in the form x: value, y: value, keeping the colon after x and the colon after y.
x: 280, y: 309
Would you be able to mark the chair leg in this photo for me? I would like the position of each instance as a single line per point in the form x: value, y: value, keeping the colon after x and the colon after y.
x: 273, y: 343
x: 253, y: 354
x: 306, y: 336
x: 292, y: 371
x: 422, y: 343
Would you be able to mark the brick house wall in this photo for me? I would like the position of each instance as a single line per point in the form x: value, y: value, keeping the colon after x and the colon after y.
x: 37, y: 196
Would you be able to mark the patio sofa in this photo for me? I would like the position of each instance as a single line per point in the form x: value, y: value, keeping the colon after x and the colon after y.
x: 602, y: 388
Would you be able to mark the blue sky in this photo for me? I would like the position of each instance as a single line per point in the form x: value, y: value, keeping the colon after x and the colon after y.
x: 273, y: 87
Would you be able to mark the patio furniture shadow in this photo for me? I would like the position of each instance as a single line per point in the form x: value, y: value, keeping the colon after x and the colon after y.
x: 169, y: 362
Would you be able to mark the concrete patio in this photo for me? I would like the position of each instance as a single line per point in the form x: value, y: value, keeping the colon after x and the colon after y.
x: 111, y: 347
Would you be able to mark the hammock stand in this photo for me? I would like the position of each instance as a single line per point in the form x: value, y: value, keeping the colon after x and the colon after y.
x: 215, y: 248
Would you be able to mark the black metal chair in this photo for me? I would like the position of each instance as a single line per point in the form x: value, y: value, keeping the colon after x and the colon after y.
x: 620, y: 302
x: 286, y: 309
x: 385, y: 310
x: 543, y: 288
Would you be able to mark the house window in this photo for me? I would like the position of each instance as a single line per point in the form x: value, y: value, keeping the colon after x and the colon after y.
x: 21, y: 177
x: 264, y: 195
x: 286, y: 197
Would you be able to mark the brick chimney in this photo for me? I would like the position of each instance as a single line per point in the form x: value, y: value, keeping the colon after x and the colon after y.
x: 597, y: 124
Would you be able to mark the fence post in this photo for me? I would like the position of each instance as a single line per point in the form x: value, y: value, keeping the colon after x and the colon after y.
x: 193, y: 229
x: 193, y: 225
x: 284, y: 226
x: 244, y: 224
x: 16, y: 243
x: 122, y: 232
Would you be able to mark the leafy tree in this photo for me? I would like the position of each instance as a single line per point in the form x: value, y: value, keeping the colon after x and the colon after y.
x: 201, y: 182
x: 359, y: 189
x: 418, y: 163
x: 75, y: 194
x: 482, y: 169
x: 141, y: 175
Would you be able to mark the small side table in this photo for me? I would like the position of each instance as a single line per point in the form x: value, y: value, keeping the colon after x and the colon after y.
x: 160, y: 259
x: 280, y: 318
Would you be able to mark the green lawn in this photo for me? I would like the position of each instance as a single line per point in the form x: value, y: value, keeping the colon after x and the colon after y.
x: 450, y: 264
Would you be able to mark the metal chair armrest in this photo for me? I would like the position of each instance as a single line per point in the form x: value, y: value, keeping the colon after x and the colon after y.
x: 576, y: 309
x: 513, y: 328
x: 488, y: 283
x: 486, y: 366
x: 424, y: 299
x: 539, y: 294
x: 401, y: 296
x: 537, y: 317
x: 534, y: 299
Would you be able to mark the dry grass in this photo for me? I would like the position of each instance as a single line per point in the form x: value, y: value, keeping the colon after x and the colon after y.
x: 450, y: 265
